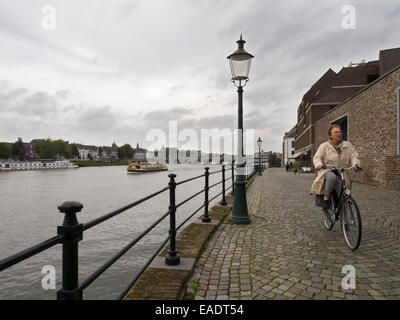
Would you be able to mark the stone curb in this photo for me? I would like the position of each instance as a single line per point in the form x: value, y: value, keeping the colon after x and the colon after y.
x: 169, y: 283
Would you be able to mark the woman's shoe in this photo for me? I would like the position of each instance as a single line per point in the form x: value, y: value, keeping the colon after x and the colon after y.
x: 326, y: 204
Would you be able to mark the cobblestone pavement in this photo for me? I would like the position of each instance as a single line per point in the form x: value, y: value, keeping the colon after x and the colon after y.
x: 286, y: 252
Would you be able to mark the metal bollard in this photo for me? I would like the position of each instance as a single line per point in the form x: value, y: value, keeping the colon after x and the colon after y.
x: 223, y: 202
x: 172, y: 258
x: 73, y: 232
x: 206, y: 217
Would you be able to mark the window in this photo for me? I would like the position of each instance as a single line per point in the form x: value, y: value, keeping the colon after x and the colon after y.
x: 292, y: 152
x: 372, y: 77
x: 292, y: 144
x: 342, y: 122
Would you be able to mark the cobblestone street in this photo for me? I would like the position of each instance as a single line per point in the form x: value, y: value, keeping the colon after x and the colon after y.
x: 286, y: 252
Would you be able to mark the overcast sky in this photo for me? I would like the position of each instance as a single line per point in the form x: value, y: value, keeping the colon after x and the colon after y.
x: 112, y: 70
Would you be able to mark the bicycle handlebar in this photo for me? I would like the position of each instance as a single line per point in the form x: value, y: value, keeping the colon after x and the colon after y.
x: 325, y: 166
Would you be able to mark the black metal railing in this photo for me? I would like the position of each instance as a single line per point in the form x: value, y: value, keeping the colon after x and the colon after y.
x: 71, y: 232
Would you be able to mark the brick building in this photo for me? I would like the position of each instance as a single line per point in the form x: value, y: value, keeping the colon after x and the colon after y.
x: 330, y: 91
x: 370, y: 119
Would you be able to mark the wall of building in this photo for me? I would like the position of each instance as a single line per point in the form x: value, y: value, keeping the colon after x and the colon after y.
x: 372, y: 129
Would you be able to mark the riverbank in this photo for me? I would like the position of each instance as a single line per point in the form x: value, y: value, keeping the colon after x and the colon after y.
x: 160, y: 281
x: 97, y: 163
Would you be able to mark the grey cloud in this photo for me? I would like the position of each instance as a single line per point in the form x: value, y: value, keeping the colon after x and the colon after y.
x: 93, y: 119
x: 27, y: 104
x: 38, y: 103
x: 165, y: 115
x: 294, y: 43
x: 62, y: 94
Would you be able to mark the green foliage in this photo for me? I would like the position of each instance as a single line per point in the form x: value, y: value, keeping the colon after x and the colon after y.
x: 44, y: 148
x: 48, y: 149
x: 17, y: 150
x: 74, y: 150
x: 5, y: 151
x: 125, y: 152
x: 62, y: 149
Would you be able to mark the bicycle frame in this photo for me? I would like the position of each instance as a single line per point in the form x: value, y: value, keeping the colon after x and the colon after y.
x: 340, y: 197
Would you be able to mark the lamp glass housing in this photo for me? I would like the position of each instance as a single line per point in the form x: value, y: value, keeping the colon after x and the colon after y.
x: 240, y: 66
x: 259, y: 142
x: 240, y: 62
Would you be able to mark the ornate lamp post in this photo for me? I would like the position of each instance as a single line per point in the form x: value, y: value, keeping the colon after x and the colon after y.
x: 240, y: 62
x: 259, y: 142
x: 263, y: 161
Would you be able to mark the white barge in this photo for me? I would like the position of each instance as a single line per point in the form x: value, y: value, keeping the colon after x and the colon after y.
x: 36, y: 165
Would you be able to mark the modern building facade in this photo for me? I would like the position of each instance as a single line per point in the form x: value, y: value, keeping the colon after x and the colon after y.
x: 288, y: 149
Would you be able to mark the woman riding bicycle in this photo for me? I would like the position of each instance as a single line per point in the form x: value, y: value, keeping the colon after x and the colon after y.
x: 338, y: 153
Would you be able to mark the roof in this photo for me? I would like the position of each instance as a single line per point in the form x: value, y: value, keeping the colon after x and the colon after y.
x: 365, y: 88
x: 388, y: 59
x: 321, y: 85
x: 355, y: 75
x: 338, y: 94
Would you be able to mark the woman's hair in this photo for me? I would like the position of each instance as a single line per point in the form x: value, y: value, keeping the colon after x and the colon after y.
x: 331, y: 127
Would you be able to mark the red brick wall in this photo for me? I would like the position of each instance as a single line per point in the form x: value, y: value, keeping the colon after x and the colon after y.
x: 304, y: 140
x: 372, y: 129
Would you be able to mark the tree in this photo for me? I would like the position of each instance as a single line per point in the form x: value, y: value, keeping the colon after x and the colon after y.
x: 5, y: 151
x: 45, y: 149
x: 17, y: 150
x: 61, y: 148
x: 74, y: 150
x: 125, y: 152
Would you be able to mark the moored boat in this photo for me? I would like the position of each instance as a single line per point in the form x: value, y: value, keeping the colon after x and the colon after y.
x: 36, y: 165
x: 141, y: 166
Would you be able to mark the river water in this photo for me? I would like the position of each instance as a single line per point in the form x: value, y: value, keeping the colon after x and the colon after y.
x: 29, y: 215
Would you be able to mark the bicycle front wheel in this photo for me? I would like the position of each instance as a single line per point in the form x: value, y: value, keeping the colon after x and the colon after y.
x: 327, y: 218
x: 351, y: 223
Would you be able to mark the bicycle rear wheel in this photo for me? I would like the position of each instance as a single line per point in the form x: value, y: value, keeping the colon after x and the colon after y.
x: 351, y: 223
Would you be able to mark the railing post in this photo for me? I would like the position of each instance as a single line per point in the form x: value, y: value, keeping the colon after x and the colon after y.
x: 233, y: 177
x: 172, y: 258
x: 206, y: 217
x: 223, y: 202
x: 73, y: 232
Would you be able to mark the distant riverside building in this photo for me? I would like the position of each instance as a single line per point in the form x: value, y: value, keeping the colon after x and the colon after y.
x: 109, y: 154
x: 139, y: 154
x: 29, y: 152
x: 174, y: 155
x: 83, y: 153
x: 334, y: 89
x: 288, y: 146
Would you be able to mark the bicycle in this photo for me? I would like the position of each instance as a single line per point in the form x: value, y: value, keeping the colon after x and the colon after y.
x: 345, y: 209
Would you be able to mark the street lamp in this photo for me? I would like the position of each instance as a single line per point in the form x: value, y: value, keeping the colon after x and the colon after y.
x: 262, y: 159
x: 259, y: 142
x: 240, y: 62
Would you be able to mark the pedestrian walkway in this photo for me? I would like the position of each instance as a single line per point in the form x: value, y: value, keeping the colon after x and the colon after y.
x: 286, y: 252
